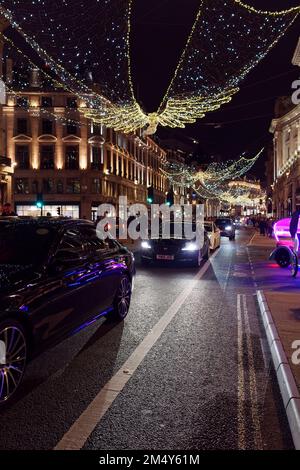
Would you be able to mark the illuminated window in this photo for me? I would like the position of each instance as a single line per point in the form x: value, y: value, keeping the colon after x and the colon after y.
x: 72, y: 158
x: 22, y: 186
x: 73, y: 186
x: 22, y: 157
x: 47, y: 157
x: 96, y: 186
x: 96, y: 158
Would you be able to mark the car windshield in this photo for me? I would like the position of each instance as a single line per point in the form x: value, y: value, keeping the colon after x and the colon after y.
x: 223, y: 221
x: 24, y: 244
x: 179, y: 230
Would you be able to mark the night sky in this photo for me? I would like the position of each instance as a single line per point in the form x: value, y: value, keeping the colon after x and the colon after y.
x: 159, y: 33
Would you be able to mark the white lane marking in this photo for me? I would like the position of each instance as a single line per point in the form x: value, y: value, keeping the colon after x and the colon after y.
x: 250, y: 242
x: 241, y: 379
x: 255, y: 412
x: 264, y: 347
x: 79, y: 432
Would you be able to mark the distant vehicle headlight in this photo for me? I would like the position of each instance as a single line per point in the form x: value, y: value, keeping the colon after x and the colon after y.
x: 228, y: 228
x: 146, y: 245
x: 191, y: 246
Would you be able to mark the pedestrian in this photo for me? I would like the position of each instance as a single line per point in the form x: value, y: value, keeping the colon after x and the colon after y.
x: 262, y: 227
x: 270, y: 224
x: 7, y: 210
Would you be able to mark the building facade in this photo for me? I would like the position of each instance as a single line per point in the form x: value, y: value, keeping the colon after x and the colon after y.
x: 6, y: 169
x: 76, y: 165
x: 286, y: 157
x: 285, y: 127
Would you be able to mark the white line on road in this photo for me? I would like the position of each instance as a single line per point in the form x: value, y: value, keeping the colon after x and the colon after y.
x: 79, y: 432
x: 252, y: 238
x: 252, y: 377
x: 241, y: 379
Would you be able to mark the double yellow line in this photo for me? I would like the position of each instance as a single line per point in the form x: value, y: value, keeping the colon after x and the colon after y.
x: 245, y: 346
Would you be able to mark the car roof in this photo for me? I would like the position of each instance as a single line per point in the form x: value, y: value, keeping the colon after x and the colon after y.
x: 44, y: 221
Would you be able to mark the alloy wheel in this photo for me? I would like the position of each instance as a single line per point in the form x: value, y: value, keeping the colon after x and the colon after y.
x: 294, y: 265
x: 123, y: 298
x: 13, y: 353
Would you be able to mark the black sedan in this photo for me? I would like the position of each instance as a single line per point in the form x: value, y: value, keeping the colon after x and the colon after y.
x: 226, y: 226
x: 175, y: 248
x: 56, y: 277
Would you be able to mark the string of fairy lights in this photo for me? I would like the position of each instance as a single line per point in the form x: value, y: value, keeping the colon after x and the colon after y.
x: 228, y: 38
x: 215, y: 182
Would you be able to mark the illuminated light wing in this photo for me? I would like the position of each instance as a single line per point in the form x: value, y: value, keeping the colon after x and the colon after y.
x: 182, y: 111
x: 228, y: 39
x: 126, y: 118
x: 218, y: 181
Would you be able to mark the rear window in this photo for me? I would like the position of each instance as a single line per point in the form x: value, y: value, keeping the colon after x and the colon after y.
x: 25, y: 244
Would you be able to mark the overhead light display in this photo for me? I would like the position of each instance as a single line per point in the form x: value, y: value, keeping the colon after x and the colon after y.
x: 215, y: 182
x: 227, y: 40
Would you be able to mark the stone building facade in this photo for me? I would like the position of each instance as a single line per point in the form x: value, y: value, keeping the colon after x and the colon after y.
x: 285, y: 128
x: 78, y: 165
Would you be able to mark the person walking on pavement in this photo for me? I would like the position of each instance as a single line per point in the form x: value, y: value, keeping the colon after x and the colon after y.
x: 262, y: 227
x: 7, y: 210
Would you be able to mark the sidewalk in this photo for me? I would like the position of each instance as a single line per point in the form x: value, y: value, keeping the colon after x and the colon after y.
x: 285, y: 310
x: 278, y: 297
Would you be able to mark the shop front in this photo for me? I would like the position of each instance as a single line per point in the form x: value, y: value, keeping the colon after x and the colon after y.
x: 54, y: 209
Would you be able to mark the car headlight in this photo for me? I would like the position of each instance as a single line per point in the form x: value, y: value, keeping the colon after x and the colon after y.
x: 191, y: 246
x: 228, y: 228
x: 146, y: 245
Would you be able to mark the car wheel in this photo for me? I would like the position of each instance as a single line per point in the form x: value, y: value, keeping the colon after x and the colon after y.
x: 145, y: 261
x: 13, y: 358
x: 122, y: 299
x: 206, y: 256
x: 294, y: 265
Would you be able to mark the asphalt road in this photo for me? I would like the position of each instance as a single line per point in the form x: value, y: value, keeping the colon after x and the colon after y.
x: 202, y: 378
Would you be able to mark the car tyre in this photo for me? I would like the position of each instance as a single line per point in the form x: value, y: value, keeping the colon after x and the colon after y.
x: 206, y: 256
x: 122, y: 299
x: 13, y: 358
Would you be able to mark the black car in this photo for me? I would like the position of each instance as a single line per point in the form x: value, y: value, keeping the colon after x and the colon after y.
x: 56, y: 277
x: 226, y: 226
x: 176, y: 248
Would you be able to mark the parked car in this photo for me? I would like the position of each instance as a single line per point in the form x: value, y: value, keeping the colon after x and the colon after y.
x: 226, y: 226
x: 214, y: 234
x: 56, y: 277
x: 175, y: 249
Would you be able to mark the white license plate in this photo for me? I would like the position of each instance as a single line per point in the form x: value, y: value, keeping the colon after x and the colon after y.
x: 165, y: 257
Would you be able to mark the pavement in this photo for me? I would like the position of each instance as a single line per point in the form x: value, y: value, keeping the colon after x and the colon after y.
x: 189, y: 369
x: 280, y: 306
